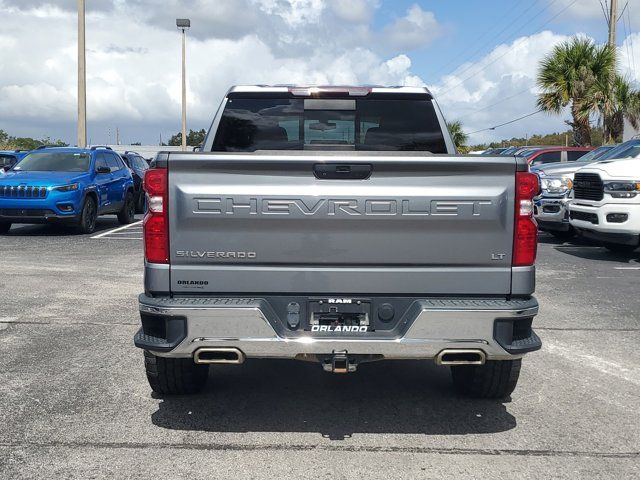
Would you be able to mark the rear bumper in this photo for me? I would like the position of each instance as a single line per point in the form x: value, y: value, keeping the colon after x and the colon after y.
x: 177, y: 327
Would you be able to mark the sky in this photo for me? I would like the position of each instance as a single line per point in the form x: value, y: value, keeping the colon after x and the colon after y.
x: 478, y: 57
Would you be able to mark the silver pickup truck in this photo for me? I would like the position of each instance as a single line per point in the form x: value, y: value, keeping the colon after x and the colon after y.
x: 337, y: 225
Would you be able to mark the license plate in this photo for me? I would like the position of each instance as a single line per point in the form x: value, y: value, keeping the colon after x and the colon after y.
x: 340, y: 315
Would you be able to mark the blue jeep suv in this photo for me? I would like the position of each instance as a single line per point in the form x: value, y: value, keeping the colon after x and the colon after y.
x: 67, y: 185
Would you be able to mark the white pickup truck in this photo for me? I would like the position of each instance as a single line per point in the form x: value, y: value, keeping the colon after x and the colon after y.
x: 606, y: 204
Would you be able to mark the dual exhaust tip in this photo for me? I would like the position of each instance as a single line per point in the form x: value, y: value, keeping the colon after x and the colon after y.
x: 456, y: 356
x: 226, y: 355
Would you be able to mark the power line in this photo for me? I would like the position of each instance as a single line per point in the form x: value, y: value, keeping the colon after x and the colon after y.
x: 506, y: 123
x: 480, y: 37
x: 509, y: 49
x: 604, y: 7
x: 501, y: 101
x: 509, y: 25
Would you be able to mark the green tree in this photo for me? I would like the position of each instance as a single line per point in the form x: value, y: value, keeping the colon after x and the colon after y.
x: 457, y: 134
x: 617, y: 101
x: 571, y: 76
x: 194, y: 138
x: 8, y: 142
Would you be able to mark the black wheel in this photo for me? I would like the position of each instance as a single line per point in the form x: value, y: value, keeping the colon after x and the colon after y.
x: 4, y: 227
x: 563, y: 235
x: 128, y: 212
x: 494, y: 379
x: 619, y: 248
x: 174, y: 376
x: 140, y: 202
x: 88, y: 216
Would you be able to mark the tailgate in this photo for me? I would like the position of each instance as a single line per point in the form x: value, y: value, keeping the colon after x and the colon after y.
x: 264, y: 223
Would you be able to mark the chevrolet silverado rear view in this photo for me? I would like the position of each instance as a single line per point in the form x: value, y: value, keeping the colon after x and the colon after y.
x: 337, y: 225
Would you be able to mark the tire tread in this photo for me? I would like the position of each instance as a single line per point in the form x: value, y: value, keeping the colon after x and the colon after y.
x: 174, y: 376
x: 494, y: 379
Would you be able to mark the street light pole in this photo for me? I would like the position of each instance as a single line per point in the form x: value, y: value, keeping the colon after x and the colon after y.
x: 184, y: 24
x: 613, y: 20
x: 82, y: 78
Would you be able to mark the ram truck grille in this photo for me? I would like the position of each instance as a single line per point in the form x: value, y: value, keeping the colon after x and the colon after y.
x: 588, y: 186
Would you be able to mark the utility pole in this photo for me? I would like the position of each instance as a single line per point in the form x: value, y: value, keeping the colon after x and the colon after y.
x: 82, y: 79
x: 184, y: 24
x: 613, y: 19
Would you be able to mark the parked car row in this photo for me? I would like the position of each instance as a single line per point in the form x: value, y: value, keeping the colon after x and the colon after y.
x: 71, y: 186
x: 597, y: 197
x: 540, y: 155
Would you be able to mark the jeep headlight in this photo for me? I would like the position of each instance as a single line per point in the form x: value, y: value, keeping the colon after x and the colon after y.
x: 67, y: 188
x: 557, y: 184
x: 622, y: 189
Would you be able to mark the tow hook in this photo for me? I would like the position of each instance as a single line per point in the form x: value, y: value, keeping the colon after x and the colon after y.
x: 339, y: 363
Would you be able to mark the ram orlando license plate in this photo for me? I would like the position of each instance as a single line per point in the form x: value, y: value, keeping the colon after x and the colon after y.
x: 340, y: 315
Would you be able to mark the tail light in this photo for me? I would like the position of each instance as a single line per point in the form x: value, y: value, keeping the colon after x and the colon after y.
x: 525, y: 229
x: 156, y: 224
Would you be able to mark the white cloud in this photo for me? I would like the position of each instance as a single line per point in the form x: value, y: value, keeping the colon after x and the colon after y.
x: 502, y: 86
x: 629, y: 58
x: 133, y: 69
x: 506, y: 78
x: 354, y: 11
x: 416, y: 29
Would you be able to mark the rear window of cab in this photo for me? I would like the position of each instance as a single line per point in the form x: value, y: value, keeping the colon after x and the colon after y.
x: 250, y: 124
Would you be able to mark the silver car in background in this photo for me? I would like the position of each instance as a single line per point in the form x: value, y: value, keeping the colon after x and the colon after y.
x: 556, y: 180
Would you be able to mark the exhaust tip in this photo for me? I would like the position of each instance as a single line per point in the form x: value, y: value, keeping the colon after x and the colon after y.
x: 461, y: 357
x: 228, y: 355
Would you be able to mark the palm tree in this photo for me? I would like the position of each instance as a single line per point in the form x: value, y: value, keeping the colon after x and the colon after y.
x: 617, y: 101
x: 571, y: 76
x: 457, y: 134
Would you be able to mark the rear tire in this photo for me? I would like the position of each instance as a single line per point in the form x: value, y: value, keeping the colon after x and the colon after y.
x: 128, y: 213
x: 4, y: 228
x: 563, y: 235
x: 494, y: 379
x: 140, y: 202
x: 174, y: 376
x: 619, y: 248
x: 88, y: 216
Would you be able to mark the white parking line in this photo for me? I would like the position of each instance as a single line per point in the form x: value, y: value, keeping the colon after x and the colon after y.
x: 627, y: 268
x: 124, y: 238
x: 104, y: 234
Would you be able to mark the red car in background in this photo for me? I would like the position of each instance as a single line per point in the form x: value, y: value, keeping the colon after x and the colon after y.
x: 542, y: 155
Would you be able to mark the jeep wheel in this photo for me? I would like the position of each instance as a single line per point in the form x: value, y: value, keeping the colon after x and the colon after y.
x: 128, y: 212
x: 563, y: 235
x: 494, y: 379
x: 140, y: 202
x: 88, y: 216
x: 619, y: 248
x: 4, y: 227
x: 174, y: 376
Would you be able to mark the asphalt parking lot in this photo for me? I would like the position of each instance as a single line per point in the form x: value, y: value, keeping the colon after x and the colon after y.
x: 74, y: 401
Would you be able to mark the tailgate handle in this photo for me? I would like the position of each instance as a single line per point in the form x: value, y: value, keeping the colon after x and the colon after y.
x: 342, y: 171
